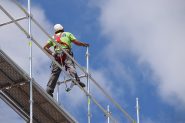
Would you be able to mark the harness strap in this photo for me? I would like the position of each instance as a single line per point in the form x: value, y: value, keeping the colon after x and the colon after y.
x: 61, y: 57
x: 58, y: 39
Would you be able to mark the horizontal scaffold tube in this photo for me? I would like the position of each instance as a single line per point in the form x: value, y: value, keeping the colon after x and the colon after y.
x: 3, y: 24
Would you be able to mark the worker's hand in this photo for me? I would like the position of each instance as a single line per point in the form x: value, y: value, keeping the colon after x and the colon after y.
x: 85, y: 44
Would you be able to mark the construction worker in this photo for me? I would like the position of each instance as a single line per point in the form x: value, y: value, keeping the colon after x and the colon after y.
x: 64, y: 39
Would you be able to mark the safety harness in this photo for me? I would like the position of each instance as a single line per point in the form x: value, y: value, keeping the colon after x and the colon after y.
x: 61, y: 57
x: 58, y: 39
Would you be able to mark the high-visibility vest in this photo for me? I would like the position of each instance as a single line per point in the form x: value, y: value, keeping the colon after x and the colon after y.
x: 58, y: 40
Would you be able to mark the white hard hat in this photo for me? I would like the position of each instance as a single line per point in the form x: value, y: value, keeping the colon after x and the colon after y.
x: 58, y: 27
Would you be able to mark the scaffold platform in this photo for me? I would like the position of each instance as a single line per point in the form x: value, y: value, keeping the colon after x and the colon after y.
x: 14, y: 90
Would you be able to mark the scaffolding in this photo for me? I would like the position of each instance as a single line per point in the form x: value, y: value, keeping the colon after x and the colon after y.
x: 86, y: 72
x: 14, y: 90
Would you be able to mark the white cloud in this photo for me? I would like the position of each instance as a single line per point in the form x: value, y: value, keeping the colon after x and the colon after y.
x: 8, y: 115
x: 103, y: 81
x: 154, y: 30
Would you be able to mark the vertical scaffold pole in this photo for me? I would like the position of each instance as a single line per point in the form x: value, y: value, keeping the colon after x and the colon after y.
x: 108, y: 112
x: 58, y: 92
x: 88, y: 87
x: 137, y: 109
x: 30, y: 59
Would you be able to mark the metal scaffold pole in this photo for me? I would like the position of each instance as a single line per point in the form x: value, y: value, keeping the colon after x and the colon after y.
x: 137, y: 109
x: 88, y: 87
x: 108, y: 116
x: 58, y: 89
x: 30, y: 59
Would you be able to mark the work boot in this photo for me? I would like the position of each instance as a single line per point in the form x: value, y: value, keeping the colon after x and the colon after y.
x: 49, y: 92
x: 81, y: 84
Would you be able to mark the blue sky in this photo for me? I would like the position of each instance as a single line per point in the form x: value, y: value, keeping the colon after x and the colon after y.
x: 136, y: 50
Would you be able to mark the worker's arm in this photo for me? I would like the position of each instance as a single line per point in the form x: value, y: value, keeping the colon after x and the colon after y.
x: 46, y: 47
x: 80, y: 43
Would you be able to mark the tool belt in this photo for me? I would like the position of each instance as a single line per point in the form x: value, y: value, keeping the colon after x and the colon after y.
x: 61, y: 56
